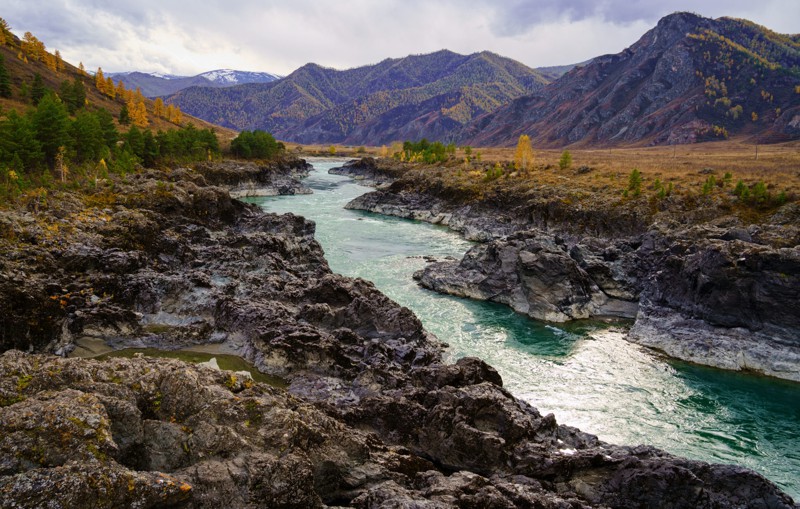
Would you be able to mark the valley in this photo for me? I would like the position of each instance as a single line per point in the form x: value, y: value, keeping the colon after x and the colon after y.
x: 446, y: 279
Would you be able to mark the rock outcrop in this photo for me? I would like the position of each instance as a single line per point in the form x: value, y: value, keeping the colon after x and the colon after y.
x: 714, y: 293
x: 372, y: 417
x: 371, y: 171
x: 244, y: 179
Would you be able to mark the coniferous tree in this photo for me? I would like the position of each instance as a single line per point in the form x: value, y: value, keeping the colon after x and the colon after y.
x: 51, y: 122
x: 107, y: 127
x: 67, y: 95
x: 100, y: 80
x: 5, y: 79
x: 79, y: 92
x: 18, y: 141
x: 124, y: 115
x: 38, y: 90
x: 111, y: 91
x: 87, y: 137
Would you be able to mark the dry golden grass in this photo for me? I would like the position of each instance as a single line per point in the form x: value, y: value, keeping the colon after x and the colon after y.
x: 686, y: 166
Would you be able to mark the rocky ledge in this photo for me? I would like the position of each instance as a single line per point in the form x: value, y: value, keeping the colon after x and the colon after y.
x: 372, y: 417
x: 243, y: 179
x: 714, y: 293
x: 371, y: 171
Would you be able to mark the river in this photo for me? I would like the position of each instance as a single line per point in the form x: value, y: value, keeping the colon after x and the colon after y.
x: 585, y: 374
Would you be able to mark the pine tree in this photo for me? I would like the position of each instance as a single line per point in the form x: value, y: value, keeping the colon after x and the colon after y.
x: 18, y: 141
x: 79, y: 92
x: 5, y: 79
x: 51, y: 123
x: 87, y: 137
x: 38, y: 89
x: 124, y: 115
x: 107, y: 127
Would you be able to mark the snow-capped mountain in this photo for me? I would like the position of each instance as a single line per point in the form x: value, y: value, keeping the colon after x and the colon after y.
x: 229, y: 77
x: 155, y: 84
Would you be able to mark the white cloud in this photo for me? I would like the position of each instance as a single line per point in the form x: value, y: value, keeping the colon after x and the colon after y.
x: 188, y: 37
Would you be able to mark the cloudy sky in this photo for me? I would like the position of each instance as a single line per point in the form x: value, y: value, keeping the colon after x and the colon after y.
x: 190, y: 36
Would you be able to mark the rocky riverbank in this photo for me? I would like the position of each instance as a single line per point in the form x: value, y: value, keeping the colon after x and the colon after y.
x: 704, y: 288
x: 370, y: 171
x: 243, y: 179
x: 372, y: 417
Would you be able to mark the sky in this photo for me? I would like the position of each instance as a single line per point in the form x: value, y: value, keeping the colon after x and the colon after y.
x: 187, y: 37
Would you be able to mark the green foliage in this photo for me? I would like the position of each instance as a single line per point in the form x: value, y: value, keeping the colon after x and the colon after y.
x: 635, y: 183
x: 52, y: 126
x: 38, y: 90
x: 708, y: 185
x: 427, y: 152
x: 256, y: 145
x: 73, y: 94
x: 5, y: 79
x: 565, y: 161
x: 742, y: 191
x: 124, y: 115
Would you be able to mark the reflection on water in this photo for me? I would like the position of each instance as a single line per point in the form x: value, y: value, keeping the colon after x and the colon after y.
x: 585, y: 374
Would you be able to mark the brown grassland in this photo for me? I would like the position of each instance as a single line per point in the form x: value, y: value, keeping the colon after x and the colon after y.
x: 686, y: 166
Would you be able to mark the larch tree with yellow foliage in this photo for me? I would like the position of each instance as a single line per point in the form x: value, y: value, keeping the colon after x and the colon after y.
x: 158, y: 107
x: 110, y: 90
x: 523, y: 157
x: 100, y: 80
x: 81, y: 69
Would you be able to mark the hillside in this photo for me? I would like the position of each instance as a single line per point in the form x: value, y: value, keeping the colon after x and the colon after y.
x: 430, y: 95
x: 54, y: 72
x: 155, y: 85
x: 689, y: 79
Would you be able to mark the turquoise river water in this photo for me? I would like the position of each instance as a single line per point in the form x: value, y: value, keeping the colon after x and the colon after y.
x: 588, y: 377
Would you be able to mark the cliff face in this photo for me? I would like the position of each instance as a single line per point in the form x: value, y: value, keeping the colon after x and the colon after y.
x: 371, y: 416
x: 688, y: 79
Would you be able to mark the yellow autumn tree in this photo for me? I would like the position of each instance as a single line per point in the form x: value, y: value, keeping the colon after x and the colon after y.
x: 59, y: 61
x: 110, y: 90
x: 100, y: 80
x: 5, y: 32
x: 158, y: 107
x: 81, y: 69
x: 121, y: 90
x: 523, y: 156
x: 139, y: 115
x: 32, y: 47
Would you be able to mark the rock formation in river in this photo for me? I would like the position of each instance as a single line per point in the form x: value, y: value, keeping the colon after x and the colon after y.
x: 372, y: 417
x: 715, y: 293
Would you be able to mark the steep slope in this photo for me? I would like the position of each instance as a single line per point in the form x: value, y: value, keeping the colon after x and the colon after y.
x: 371, y: 104
x: 155, y: 85
x: 688, y: 79
x: 22, y: 68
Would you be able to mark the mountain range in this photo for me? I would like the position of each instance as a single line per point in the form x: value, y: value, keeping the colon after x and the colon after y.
x: 155, y: 84
x: 429, y: 96
x: 688, y: 79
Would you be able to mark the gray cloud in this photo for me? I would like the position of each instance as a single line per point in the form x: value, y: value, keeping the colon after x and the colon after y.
x: 186, y: 36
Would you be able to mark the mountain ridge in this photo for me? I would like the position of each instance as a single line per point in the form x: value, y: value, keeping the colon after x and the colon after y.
x: 318, y: 104
x: 688, y: 79
x: 155, y: 85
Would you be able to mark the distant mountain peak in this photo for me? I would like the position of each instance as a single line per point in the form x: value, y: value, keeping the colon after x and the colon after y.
x: 154, y: 84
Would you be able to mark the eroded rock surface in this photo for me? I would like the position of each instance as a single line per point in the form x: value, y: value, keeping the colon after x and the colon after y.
x: 372, y: 416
